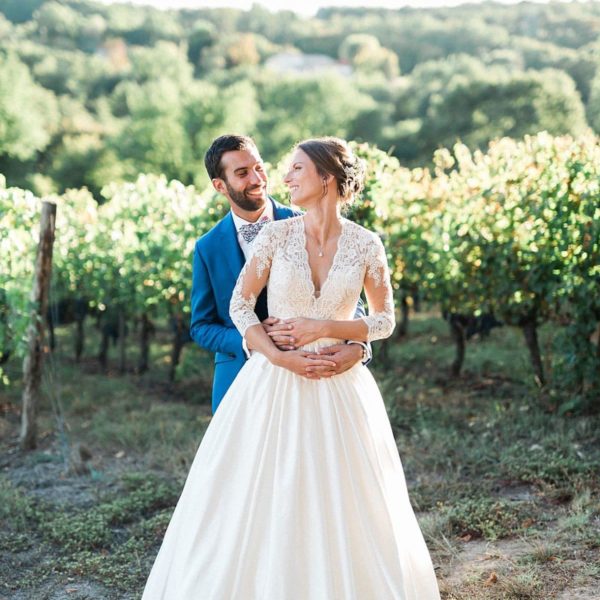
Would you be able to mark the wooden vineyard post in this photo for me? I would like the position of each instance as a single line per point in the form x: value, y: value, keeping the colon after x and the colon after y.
x: 32, y: 365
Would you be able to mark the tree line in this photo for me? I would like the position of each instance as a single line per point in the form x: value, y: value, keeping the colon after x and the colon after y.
x: 93, y: 93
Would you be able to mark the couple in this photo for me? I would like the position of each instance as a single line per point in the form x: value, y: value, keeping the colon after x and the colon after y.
x: 296, y: 491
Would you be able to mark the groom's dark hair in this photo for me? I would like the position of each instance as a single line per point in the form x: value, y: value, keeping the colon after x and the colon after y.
x: 223, y: 144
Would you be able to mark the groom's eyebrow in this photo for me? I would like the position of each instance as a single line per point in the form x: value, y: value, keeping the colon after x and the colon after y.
x: 242, y: 169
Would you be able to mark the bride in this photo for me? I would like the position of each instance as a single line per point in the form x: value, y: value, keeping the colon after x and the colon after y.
x: 305, y: 474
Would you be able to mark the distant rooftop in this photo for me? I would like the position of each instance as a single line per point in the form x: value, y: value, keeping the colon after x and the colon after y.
x: 307, y: 64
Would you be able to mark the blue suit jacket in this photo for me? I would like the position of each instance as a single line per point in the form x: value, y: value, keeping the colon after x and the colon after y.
x: 218, y: 260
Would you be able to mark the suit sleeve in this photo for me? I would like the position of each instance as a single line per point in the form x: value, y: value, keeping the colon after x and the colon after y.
x: 206, y: 329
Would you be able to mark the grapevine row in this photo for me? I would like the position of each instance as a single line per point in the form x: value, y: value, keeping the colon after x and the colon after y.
x: 513, y: 232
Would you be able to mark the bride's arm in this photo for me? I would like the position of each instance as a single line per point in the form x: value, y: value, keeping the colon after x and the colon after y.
x: 250, y: 283
x: 380, y: 321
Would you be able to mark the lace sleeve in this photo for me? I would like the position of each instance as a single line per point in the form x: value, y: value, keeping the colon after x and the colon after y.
x: 252, y: 280
x: 381, y: 319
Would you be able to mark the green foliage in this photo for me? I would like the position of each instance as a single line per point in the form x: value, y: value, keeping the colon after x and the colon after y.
x: 90, y: 540
x: 484, y: 517
x: 28, y: 112
x: 19, y: 214
x: 469, y: 74
x: 203, y: 34
x: 476, y: 111
x: 94, y: 528
x: 16, y: 508
x: 364, y: 53
x: 289, y: 115
x: 56, y: 22
x: 153, y: 139
x: 19, y: 11
x: 513, y: 231
x: 164, y: 62
x: 156, y: 26
x: 593, y: 108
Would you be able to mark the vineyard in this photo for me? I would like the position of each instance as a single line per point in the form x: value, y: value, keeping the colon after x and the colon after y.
x: 511, y: 236
x: 505, y: 490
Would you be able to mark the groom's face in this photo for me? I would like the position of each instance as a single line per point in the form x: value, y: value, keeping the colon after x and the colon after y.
x: 244, y: 180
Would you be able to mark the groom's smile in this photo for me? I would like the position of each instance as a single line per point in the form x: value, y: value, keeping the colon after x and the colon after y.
x: 244, y: 180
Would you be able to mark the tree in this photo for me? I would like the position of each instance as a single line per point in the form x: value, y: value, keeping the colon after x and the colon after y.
x: 19, y: 11
x: 365, y: 53
x: 431, y: 79
x: 593, y: 107
x: 154, y: 139
x: 477, y: 111
x: 165, y: 60
x: 5, y: 27
x: 57, y: 21
x: 297, y: 108
x: 211, y: 111
x: 203, y: 34
x: 28, y: 112
x: 580, y: 64
x: 157, y: 25
x: 233, y: 50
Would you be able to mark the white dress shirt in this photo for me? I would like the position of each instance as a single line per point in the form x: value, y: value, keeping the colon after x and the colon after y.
x: 239, y: 222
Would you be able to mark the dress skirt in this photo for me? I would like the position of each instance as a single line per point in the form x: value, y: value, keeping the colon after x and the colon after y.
x: 296, y: 493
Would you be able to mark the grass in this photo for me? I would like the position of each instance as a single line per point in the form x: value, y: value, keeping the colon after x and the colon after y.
x: 109, y: 541
x: 506, y: 489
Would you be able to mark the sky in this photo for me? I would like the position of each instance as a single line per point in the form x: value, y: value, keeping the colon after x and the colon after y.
x: 306, y: 7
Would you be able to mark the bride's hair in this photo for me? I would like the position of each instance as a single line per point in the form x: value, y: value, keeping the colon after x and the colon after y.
x: 333, y: 156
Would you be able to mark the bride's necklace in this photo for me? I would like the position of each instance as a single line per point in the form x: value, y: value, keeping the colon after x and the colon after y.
x: 321, y: 253
x: 321, y: 247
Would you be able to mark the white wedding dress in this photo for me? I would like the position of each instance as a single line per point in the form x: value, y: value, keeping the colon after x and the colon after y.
x: 297, y: 491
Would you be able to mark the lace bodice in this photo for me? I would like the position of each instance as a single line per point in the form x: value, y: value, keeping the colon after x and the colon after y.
x: 279, y: 260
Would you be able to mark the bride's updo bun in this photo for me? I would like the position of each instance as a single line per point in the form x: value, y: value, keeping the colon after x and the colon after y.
x: 333, y: 156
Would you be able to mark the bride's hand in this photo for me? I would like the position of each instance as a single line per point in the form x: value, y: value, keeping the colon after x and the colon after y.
x: 278, y: 332
x: 299, y: 362
x: 303, y: 331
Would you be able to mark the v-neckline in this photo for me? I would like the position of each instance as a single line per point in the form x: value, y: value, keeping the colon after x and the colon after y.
x: 307, y: 259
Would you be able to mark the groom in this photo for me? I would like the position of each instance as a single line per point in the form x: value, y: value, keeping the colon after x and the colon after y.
x: 236, y: 170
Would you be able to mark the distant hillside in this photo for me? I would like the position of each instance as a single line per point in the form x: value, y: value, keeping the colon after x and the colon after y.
x: 91, y: 93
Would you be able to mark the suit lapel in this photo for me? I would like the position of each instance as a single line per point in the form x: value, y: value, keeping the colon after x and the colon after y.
x: 279, y: 211
x: 231, y: 247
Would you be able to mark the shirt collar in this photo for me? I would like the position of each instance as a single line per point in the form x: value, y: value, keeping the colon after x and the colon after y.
x: 267, y: 212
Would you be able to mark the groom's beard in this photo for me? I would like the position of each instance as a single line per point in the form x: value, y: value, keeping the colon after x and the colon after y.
x: 245, y: 202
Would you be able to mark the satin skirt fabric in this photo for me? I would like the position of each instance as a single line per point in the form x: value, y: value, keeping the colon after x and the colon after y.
x: 296, y: 493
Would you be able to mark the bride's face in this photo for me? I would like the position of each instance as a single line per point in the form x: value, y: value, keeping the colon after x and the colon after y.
x: 303, y: 180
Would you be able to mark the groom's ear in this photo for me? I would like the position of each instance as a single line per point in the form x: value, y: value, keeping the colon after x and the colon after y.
x: 219, y: 185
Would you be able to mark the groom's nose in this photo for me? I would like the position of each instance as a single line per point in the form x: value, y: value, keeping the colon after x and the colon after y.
x: 255, y: 177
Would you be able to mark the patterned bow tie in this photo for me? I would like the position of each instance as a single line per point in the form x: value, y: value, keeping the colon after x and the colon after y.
x: 250, y: 231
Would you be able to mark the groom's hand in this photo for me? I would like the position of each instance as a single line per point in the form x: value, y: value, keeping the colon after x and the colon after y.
x: 278, y: 331
x: 345, y: 356
x: 301, y: 363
